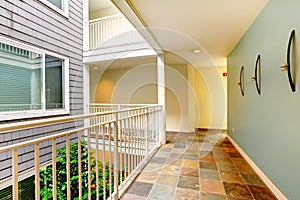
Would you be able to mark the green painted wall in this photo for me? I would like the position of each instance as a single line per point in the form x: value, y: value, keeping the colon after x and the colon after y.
x: 267, y: 127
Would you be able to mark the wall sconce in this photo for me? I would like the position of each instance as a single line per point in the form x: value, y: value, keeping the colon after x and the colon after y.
x: 287, y: 66
x: 257, y: 77
x: 241, y: 83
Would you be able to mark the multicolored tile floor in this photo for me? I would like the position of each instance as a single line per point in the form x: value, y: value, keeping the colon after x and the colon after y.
x: 201, y: 165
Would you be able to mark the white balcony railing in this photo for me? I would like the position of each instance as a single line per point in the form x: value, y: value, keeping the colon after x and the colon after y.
x: 102, y: 107
x: 118, y: 141
x: 107, y: 31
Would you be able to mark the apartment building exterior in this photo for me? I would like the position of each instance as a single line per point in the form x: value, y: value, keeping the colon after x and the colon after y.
x: 41, y: 72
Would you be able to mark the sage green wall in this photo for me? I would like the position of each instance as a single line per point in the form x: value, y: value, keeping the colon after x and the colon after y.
x: 267, y: 127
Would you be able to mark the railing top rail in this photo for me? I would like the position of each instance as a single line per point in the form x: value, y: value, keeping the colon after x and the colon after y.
x: 113, y: 105
x: 40, y: 140
x: 57, y: 120
x: 105, y: 18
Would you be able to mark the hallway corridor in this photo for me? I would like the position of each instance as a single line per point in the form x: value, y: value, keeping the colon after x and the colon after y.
x: 201, y: 165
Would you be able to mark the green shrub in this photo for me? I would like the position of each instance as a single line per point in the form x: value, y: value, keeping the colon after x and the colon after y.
x: 46, y: 175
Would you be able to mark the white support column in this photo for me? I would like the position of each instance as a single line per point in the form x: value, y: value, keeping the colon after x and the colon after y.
x: 85, y: 5
x: 86, y: 80
x: 86, y: 75
x: 191, y: 99
x: 86, y: 93
x: 161, y: 96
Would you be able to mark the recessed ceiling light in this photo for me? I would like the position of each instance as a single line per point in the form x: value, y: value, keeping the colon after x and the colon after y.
x: 96, y: 67
x: 197, y: 51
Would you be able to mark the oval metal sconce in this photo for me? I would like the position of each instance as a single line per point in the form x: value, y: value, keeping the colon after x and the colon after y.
x: 241, y: 83
x: 287, y: 66
x: 256, y: 76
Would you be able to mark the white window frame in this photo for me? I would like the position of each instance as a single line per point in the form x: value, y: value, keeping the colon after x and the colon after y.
x: 64, y: 12
x: 12, y: 115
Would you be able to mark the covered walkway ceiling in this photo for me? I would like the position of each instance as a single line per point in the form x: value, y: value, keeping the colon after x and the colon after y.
x: 180, y: 27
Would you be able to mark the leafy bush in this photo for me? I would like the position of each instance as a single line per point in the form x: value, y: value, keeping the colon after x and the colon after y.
x: 61, y: 172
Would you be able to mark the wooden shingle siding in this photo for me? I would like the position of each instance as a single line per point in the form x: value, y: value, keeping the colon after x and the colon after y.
x: 34, y: 23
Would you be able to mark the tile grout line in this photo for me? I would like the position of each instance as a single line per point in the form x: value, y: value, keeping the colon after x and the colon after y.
x: 239, y: 174
x: 193, y: 147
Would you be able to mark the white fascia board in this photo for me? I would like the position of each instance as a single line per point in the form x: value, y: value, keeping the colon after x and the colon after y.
x: 118, y: 52
x: 126, y: 10
x: 118, y: 55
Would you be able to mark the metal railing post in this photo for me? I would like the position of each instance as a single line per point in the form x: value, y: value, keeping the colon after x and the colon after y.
x: 147, y: 131
x: 116, y: 157
x: 37, y: 171
x: 162, y: 127
x: 68, y: 150
x: 89, y: 166
x: 15, y: 175
x: 79, y: 166
x: 103, y: 161
x: 54, y: 186
x: 97, y: 130
x: 157, y: 128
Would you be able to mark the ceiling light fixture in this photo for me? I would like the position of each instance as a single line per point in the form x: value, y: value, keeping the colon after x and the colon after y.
x: 96, y: 68
x: 197, y: 51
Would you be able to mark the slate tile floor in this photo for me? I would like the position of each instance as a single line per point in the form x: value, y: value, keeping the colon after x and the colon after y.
x: 201, y: 165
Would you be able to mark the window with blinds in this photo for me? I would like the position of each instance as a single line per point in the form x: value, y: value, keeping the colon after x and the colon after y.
x: 30, y: 81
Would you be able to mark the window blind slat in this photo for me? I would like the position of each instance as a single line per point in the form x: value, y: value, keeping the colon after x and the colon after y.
x: 19, y: 80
